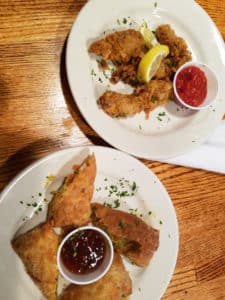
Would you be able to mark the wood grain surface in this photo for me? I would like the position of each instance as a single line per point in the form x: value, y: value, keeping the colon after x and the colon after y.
x: 39, y: 116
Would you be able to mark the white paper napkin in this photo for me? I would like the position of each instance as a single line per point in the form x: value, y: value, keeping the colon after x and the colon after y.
x: 210, y: 156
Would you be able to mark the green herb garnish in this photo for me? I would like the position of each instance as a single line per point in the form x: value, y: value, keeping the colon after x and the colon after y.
x: 122, y: 225
x: 116, y: 203
x: 153, y: 99
x: 124, y: 21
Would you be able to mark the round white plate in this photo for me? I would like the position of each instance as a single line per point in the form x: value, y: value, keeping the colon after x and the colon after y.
x: 180, y: 130
x: 112, y: 165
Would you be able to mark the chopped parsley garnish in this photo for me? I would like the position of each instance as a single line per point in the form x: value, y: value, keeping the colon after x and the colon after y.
x: 123, y: 194
x: 124, y: 21
x: 116, y: 203
x: 137, y: 222
x: 122, y: 225
x: 134, y: 186
x: 118, y: 190
x: 172, y: 63
x: 139, y: 289
x: 105, y: 74
x: 21, y: 202
x: 93, y: 72
x: 153, y: 99
x: 160, y: 222
x: 149, y: 213
x: 107, y: 205
x: 133, y: 211
x: 162, y: 114
x: 140, y: 127
x: 118, y: 21
x: 39, y: 194
x: 159, y: 118
x: 100, y: 80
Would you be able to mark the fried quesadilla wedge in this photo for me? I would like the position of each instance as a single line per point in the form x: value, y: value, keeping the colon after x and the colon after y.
x: 115, y: 285
x: 37, y: 249
x: 131, y: 236
x: 71, y: 204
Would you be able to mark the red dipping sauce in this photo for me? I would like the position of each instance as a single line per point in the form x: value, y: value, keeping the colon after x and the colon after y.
x: 191, y: 85
x: 84, y: 251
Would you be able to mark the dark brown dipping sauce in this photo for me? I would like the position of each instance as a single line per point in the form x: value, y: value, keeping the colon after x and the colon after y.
x: 83, y: 252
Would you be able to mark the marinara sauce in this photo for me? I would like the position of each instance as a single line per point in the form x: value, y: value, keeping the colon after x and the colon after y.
x: 84, y: 251
x: 191, y: 85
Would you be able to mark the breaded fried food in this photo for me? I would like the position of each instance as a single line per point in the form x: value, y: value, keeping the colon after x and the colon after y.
x: 119, y: 46
x: 37, y: 248
x: 145, y: 98
x: 126, y: 72
x: 71, y: 204
x: 131, y: 236
x: 115, y: 285
x: 179, y: 53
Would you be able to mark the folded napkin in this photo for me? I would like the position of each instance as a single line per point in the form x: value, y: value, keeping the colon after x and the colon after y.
x: 210, y: 156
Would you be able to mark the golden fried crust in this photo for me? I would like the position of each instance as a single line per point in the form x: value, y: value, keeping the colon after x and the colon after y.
x: 130, y: 234
x: 120, y: 105
x: 115, y: 285
x: 179, y: 53
x: 145, y: 97
x: 37, y: 248
x: 120, y: 46
x: 71, y: 204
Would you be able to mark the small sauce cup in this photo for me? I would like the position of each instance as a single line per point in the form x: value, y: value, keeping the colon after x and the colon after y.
x: 211, y: 85
x: 93, y: 263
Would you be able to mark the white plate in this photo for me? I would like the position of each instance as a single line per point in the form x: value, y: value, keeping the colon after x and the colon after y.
x: 149, y: 283
x: 179, y: 131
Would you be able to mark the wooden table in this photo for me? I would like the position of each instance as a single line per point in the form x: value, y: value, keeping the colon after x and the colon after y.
x: 38, y: 116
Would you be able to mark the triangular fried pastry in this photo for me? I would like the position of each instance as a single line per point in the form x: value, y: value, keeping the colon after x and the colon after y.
x: 71, y: 203
x: 38, y: 248
x: 131, y: 236
x: 115, y: 285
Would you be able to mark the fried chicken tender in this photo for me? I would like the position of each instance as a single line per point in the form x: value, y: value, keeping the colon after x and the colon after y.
x: 145, y: 98
x: 37, y: 248
x: 119, y: 46
x: 179, y: 53
x: 115, y: 285
x: 71, y: 204
x: 131, y: 236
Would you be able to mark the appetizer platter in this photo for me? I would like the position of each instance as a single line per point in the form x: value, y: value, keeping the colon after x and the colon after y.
x: 98, y: 187
x: 121, y: 68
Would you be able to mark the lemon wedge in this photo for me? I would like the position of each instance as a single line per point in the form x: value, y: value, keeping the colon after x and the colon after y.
x: 149, y: 37
x: 150, y: 62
